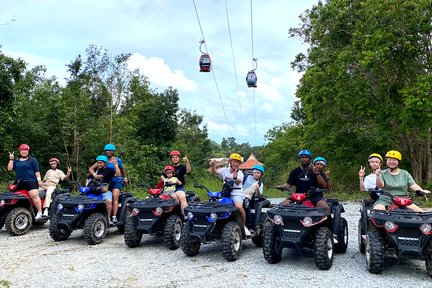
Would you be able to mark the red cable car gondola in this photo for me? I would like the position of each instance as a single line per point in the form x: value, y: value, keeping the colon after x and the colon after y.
x: 251, y: 78
x: 205, y: 60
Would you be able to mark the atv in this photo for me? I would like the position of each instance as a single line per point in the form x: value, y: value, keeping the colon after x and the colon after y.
x: 158, y: 215
x: 17, y: 211
x: 88, y: 212
x: 219, y: 220
x: 301, y: 225
x: 398, y: 231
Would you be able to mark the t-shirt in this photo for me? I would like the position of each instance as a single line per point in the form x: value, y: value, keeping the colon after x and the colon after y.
x: 170, y: 188
x: 225, y: 173
x: 25, y: 170
x: 304, y: 179
x: 53, y: 177
x: 107, y: 173
x: 110, y: 165
x: 397, y: 184
x: 249, y: 187
x: 370, y: 182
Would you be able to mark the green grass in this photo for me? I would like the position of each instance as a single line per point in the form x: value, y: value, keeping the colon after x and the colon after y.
x: 5, y: 283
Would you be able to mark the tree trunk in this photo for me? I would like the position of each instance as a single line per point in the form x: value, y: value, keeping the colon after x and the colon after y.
x: 428, y: 155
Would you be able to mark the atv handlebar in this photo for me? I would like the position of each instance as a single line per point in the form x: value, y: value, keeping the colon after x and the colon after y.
x: 201, y: 187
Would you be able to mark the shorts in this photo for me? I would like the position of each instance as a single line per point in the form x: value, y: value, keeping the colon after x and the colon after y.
x: 237, y: 198
x: 181, y: 189
x: 26, y: 185
x: 384, y: 200
x: 107, y: 196
x: 169, y: 192
x: 316, y: 199
x: 116, y: 185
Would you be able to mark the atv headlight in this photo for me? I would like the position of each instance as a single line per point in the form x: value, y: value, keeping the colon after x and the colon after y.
x: 390, y: 226
x: 2, y: 203
x: 59, y: 207
x: 307, y: 221
x: 277, y: 219
x: 190, y: 216
x: 212, y: 217
x: 158, y: 211
x: 80, y: 207
x: 426, y: 228
x: 135, y: 212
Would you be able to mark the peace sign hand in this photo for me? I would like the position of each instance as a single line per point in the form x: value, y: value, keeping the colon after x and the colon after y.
x: 11, y: 155
x: 362, y: 172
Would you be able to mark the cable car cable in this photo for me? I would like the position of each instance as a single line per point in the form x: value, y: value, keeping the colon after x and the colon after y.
x: 254, y: 68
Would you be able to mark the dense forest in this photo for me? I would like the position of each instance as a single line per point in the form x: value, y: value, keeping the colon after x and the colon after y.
x: 366, y: 87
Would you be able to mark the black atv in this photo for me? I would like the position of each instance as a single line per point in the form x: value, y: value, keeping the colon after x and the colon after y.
x: 218, y: 219
x: 400, y: 232
x: 17, y: 211
x: 300, y: 225
x: 365, y: 208
x: 88, y: 212
x: 158, y: 215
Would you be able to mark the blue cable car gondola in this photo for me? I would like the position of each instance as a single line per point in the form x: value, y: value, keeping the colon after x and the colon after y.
x: 251, y: 78
x: 205, y: 60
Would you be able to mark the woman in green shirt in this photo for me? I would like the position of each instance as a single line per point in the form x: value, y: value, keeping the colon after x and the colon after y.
x: 396, y: 181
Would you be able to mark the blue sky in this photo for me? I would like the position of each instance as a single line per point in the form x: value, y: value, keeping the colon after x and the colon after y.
x: 163, y: 37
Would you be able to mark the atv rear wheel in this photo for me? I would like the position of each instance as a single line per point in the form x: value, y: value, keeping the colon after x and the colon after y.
x: 132, y: 236
x: 58, y: 233
x: 342, y: 238
x: 172, y: 232
x: 189, y: 246
x: 272, y: 244
x: 18, y: 221
x: 374, y: 252
x: 95, y: 228
x: 361, y: 242
x: 323, y: 248
x: 231, y: 241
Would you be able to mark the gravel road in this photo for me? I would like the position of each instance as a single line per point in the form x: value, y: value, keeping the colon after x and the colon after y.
x: 35, y: 260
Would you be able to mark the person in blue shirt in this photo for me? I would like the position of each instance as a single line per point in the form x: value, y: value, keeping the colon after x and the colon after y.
x: 117, y: 182
x: 27, y: 175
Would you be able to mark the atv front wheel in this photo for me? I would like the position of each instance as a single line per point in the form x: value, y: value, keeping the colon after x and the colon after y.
x: 189, y: 246
x: 95, y: 228
x: 231, y: 241
x: 58, y: 233
x: 323, y: 248
x: 374, y: 252
x: 132, y: 236
x: 272, y: 245
x: 361, y: 242
x: 342, y: 238
x: 18, y: 221
x: 172, y: 232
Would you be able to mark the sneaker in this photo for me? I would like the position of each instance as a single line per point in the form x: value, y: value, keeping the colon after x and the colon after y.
x: 335, y: 241
x: 110, y: 223
x: 45, y: 213
x: 38, y: 216
x: 247, y: 232
x: 114, y: 219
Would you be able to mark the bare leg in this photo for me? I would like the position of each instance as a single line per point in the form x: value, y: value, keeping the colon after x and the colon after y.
x: 323, y: 204
x: 108, y: 204
x: 115, y: 202
x: 242, y: 212
x: 34, y: 195
x: 181, y: 196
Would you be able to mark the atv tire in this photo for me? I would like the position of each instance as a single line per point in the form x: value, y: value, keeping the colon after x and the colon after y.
x: 189, y: 246
x: 361, y: 242
x: 132, y: 236
x: 259, y: 239
x: 57, y: 233
x: 2, y: 222
x: 172, y: 232
x: 428, y: 260
x: 95, y: 228
x: 342, y: 238
x: 231, y: 241
x: 323, y: 248
x: 272, y: 247
x: 374, y: 252
x: 18, y: 221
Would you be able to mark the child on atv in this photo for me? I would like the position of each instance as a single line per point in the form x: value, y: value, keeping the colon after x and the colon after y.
x: 105, y: 175
x: 170, y: 182
x: 252, y: 187
x: 52, y: 177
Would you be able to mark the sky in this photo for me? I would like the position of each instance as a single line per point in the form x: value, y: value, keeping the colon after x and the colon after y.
x: 163, y: 37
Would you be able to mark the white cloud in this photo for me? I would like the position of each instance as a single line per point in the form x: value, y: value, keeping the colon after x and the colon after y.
x: 160, y: 74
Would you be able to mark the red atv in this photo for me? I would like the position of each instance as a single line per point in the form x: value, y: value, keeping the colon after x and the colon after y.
x: 17, y: 211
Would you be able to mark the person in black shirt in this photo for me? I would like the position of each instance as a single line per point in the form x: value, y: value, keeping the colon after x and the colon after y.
x: 306, y: 177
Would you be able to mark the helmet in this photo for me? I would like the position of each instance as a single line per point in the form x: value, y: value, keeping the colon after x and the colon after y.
x: 322, y: 159
x: 375, y: 155
x: 394, y: 154
x: 109, y: 147
x: 258, y: 167
x: 53, y: 159
x: 102, y: 158
x: 305, y: 152
x: 235, y: 156
x: 169, y: 168
x: 24, y: 147
x: 175, y: 153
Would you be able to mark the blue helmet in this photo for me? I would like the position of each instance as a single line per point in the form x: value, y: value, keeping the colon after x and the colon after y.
x: 322, y: 159
x: 102, y: 158
x: 109, y: 147
x: 305, y: 152
x: 258, y: 167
